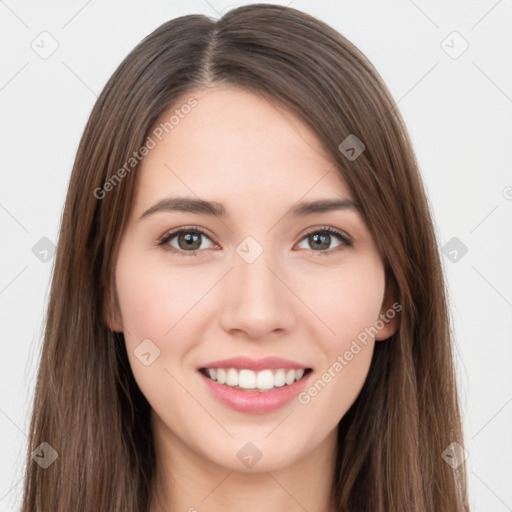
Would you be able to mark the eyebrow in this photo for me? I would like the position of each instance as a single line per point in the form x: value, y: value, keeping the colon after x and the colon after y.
x: 212, y: 208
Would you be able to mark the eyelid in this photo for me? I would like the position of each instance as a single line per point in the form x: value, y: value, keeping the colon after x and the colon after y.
x: 169, y: 235
x: 345, y: 239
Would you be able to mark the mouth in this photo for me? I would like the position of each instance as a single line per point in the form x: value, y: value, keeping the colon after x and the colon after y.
x: 264, y: 380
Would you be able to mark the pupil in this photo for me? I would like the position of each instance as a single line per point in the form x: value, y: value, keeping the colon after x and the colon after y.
x: 321, y: 240
x: 190, y: 240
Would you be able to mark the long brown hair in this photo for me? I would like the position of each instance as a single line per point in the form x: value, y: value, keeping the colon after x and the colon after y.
x: 87, y: 405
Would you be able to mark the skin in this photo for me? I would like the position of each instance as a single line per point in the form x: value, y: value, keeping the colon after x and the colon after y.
x: 293, y: 301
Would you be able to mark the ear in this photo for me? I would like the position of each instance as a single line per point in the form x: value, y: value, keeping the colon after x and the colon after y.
x: 113, y: 314
x: 389, y: 316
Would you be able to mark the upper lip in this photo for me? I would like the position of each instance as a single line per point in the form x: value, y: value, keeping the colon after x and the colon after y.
x: 255, y: 364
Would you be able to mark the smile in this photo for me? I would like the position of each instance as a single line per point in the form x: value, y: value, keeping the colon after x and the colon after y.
x: 249, y: 380
x: 268, y: 386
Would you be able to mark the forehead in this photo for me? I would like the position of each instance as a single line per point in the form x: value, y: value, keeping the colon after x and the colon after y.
x: 233, y: 145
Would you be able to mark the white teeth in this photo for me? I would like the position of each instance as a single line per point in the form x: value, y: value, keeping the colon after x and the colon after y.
x: 232, y: 377
x: 279, y: 378
x: 247, y: 379
x: 263, y: 380
x: 221, y: 376
x: 290, y: 377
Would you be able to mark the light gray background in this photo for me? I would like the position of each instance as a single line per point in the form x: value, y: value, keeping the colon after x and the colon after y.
x: 458, y: 112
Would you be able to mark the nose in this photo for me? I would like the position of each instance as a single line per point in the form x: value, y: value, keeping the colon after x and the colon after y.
x: 256, y: 301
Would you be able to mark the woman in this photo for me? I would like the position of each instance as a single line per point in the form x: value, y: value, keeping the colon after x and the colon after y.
x: 247, y: 308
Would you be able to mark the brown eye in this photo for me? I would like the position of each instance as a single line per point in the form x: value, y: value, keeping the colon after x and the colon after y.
x: 321, y: 240
x: 186, y: 241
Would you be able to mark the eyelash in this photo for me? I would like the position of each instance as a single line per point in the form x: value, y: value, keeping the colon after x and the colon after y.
x: 345, y: 241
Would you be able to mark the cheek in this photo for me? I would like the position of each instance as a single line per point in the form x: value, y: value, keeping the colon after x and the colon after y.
x: 153, y: 299
x: 349, y: 305
x: 159, y: 303
x: 348, y: 302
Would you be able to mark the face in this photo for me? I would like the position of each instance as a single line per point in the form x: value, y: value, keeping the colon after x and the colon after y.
x: 258, y: 280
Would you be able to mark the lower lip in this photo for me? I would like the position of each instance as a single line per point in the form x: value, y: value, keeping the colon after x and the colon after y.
x: 255, y: 402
